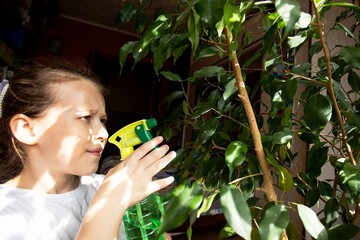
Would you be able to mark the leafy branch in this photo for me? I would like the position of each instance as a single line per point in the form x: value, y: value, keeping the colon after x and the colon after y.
x: 330, y: 86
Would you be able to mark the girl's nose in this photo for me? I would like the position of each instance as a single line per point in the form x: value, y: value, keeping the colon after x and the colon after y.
x: 102, y: 133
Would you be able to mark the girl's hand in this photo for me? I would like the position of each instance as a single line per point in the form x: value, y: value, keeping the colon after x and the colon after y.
x: 133, y: 176
x: 124, y: 185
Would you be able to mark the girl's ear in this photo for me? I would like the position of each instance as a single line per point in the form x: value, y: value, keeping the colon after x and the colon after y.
x: 22, y: 128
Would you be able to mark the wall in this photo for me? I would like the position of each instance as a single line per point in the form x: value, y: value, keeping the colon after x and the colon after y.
x: 79, y: 40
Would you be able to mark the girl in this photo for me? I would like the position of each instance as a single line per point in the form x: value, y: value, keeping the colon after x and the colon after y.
x: 52, y: 134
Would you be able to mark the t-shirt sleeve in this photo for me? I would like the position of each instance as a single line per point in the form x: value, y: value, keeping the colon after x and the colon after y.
x: 121, y: 235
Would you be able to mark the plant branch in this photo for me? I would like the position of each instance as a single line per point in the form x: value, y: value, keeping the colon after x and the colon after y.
x: 357, y: 214
x: 268, y: 183
x: 306, y: 78
x: 330, y: 86
x: 217, y: 147
x: 248, y: 176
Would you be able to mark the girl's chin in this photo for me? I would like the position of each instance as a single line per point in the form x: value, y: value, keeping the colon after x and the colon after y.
x: 88, y: 171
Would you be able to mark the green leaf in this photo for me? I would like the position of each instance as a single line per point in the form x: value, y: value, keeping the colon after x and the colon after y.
x: 296, y: 41
x: 301, y: 69
x: 252, y: 58
x: 354, y: 81
x: 230, y: 89
x: 140, y: 22
x: 167, y: 133
x: 236, y: 211
x: 174, y: 95
x: 347, y: 31
x: 271, y: 159
x: 225, y: 136
x: 124, y: 52
x: 178, y: 52
x: 353, y: 118
x: 231, y: 14
x: 207, y: 130
x: 343, y: 231
x: 127, y: 12
x: 274, y: 222
x: 341, y: 96
x: 354, y: 7
x: 153, y: 32
x: 325, y: 190
x: 282, y: 137
x: 171, y: 76
x: 272, y: 62
x: 208, y: 72
x: 349, y: 171
x: 277, y: 103
x: 316, y: 159
x: 289, y: 10
x: 235, y: 154
x: 351, y: 55
x: 214, y: 97
x: 317, y: 112
x: 315, y: 48
x: 331, y: 210
x: 269, y: 39
x: 312, y: 197
x: 201, y: 108
x: 177, y: 210
x: 226, y: 232
x: 311, y: 223
x: 209, y: 52
x: 194, y: 30
x: 210, y: 11
x: 220, y: 27
x: 185, y: 108
x: 289, y: 90
x: 350, y: 175
x: 304, y: 21
x: 284, y: 179
x: 180, y: 155
x: 162, y: 51
x: 207, y: 203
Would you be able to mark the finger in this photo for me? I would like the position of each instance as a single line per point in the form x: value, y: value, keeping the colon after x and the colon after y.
x: 167, y: 236
x: 154, y: 155
x: 145, y: 148
x: 158, y: 165
x: 159, y: 184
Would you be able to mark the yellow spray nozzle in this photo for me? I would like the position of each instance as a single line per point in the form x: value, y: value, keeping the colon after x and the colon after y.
x: 132, y: 134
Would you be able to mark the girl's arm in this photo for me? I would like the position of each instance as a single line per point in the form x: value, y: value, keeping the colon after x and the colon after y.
x: 123, y: 186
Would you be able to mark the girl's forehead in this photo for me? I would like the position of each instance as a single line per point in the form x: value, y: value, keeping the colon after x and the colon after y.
x: 83, y: 91
x: 79, y: 84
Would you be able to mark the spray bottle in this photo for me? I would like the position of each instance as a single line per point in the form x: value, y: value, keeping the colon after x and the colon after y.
x: 142, y: 220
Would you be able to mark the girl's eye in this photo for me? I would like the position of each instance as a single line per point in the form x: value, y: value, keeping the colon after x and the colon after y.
x: 87, y: 118
x: 103, y: 121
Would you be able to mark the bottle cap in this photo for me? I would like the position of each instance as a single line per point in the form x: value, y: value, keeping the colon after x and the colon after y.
x: 151, y: 122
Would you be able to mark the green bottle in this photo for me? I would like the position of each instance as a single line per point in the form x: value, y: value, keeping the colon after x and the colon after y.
x: 142, y: 220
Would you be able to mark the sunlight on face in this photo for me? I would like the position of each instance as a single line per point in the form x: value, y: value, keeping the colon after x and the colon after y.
x: 73, y: 134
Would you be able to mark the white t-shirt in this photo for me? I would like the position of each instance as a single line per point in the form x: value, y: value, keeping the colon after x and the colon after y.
x: 30, y: 215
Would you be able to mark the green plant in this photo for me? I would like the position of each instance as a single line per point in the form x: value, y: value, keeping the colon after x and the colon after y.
x: 240, y: 155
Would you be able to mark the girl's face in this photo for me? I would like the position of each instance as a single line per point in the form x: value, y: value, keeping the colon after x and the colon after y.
x: 72, y: 131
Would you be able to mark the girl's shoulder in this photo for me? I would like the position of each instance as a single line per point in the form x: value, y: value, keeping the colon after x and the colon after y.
x: 93, y: 180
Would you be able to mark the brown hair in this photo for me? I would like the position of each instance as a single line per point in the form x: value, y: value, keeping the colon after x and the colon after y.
x: 31, y: 92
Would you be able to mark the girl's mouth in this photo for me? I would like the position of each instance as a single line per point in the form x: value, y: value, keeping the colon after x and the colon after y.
x: 96, y: 152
